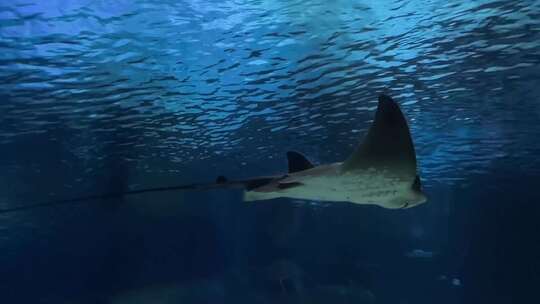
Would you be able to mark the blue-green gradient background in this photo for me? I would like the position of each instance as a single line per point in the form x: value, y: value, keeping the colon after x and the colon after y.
x: 101, y: 96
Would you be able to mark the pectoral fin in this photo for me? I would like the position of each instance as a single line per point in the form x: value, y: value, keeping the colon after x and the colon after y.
x: 388, y: 143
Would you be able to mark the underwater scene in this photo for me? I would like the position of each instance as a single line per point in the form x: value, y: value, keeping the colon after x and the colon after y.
x: 269, y: 151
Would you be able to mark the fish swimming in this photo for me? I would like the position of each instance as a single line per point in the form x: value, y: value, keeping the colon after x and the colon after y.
x: 381, y: 171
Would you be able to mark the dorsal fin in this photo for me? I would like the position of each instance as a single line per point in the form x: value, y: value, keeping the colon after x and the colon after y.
x: 388, y: 143
x: 298, y: 162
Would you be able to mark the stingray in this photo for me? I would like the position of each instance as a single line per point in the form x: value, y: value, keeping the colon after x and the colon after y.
x: 381, y: 171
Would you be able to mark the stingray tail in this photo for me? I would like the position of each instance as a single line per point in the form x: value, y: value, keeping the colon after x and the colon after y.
x: 220, y: 183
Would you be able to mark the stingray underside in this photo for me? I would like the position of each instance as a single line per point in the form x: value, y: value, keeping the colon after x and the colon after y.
x: 382, y: 169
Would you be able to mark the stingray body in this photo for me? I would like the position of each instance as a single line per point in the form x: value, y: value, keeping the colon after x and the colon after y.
x: 381, y: 171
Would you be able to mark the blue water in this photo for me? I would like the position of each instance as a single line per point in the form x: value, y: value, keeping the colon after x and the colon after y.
x: 107, y: 96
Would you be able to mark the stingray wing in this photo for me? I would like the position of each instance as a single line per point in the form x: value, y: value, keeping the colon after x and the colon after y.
x: 388, y: 143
